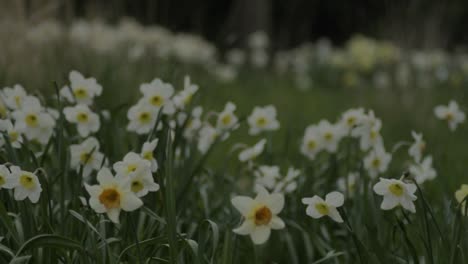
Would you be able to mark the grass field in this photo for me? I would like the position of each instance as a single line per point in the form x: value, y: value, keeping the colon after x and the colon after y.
x: 190, y: 218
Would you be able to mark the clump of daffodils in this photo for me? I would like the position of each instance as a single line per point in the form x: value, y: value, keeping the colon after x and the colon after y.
x: 260, y: 215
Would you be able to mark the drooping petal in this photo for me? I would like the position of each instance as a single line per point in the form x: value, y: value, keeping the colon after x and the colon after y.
x: 335, y: 215
x: 130, y: 202
x: 113, y: 215
x: 260, y: 234
x: 389, y: 202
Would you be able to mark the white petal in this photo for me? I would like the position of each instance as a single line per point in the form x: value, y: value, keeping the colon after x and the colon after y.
x: 335, y: 215
x: 260, y: 234
x: 408, y: 205
x: 34, y: 196
x: 246, y: 228
x: 389, y: 202
x: 312, y: 211
x: 97, y: 206
x: 275, y: 202
x: 381, y: 188
x: 335, y: 198
x: 20, y: 194
x: 243, y: 204
x: 130, y: 202
x: 113, y: 215
x: 105, y: 176
x: 277, y: 223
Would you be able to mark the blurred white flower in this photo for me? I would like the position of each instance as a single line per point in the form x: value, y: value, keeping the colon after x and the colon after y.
x: 311, y: 142
x: 396, y: 192
x: 251, y: 153
x: 112, y: 195
x: 377, y: 161
x: 86, y: 121
x: 207, y: 136
x: 330, y: 135
x: 317, y: 207
x: 147, y: 153
x: 132, y: 165
x: 86, y: 154
x: 423, y: 171
x: 142, y: 118
x: 348, y: 185
x: 352, y: 118
x: 227, y: 119
x: 263, y: 119
x: 369, y: 132
x: 289, y: 183
x: 14, y: 135
x: 260, y: 215
x: 193, y: 124
x: 417, y: 148
x: 33, y: 121
x: 267, y: 176
x: 235, y: 57
x: 258, y: 40
x: 140, y: 184
x: 6, y: 179
x: 158, y: 94
x: 26, y: 185
x: 184, y: 97
x: 81, y: 90
x: 14, y: 97
x: 451, y: 113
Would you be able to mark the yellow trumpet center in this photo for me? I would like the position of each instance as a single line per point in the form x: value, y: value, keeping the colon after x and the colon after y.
x: 85, y: 158
x: 27, y: 181
x: 31, y: 120
x: 157, y: 100
x: 137, y: 186
x: 261, y: 121
x: 2, y: 180
x: 110, y: 198
x: 322, y: 208
x: 148, y: 155
x: 396, y: 189
x: 226, y: 120
x: 263, y: 216
x: 376, y: 163
x: 131, y: 168
x: 311, y: 144
x: 82, y: 117
x: 144, y: 117
x: 80, y: 93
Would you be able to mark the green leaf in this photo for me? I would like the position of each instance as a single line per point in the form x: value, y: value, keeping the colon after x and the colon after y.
x: 21, y: 260
x: 52, y: 241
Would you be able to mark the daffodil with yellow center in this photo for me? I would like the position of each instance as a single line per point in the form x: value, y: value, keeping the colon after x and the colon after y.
x: 112, y: 195
x: 396, y: 193
x: 318, y: 207
x: 259, y: 214
x: 26, y: 185
x: 157, y: 101
x: 31, y: 120
x: 144, y: 117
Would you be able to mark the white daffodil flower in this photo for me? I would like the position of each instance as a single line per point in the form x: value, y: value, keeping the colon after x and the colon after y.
x: 184, y: 97
x: 267, y: 176
x: 251, y: 153
x: 207, y: 136
x: 317, y: 207
x: 147, y: 153
x: 461, y: 195
x: 193, y: 124
x: 14, y: 135
x: 348, y: 185
x: 263, y: 119
x: 86, y: 121
x: 14, y: 97
x: 81, y: 90
x: 32, y: 121
x: 112, y: 195
x: 417, y: 148
x: 142, y: 118
x: 86, y: 154
x: 330, y: 135
x: 6, y: 179
x: 369, y: 134
x: 451, y: 113
x: 377, y: 161
x: 158, y: 94
x: 289, y: 183
x: 312, y: 143
x: 227, y: 119
x: 423, y: 171
x: 352, y: 118
x: 396, y: 192
x: 26, y: 185
x: 260, y: 215
x: 133, y: 165
x: 140, y: 184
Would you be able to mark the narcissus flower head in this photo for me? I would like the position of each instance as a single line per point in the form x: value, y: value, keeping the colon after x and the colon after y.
x: 86, y: 121
x: 317, y: 207
x: 396, y: 193
x: 26, y: 185
x: 260, y: 215
x: 81, y: 90
x: 263, y: 119
x: 451, y: 113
